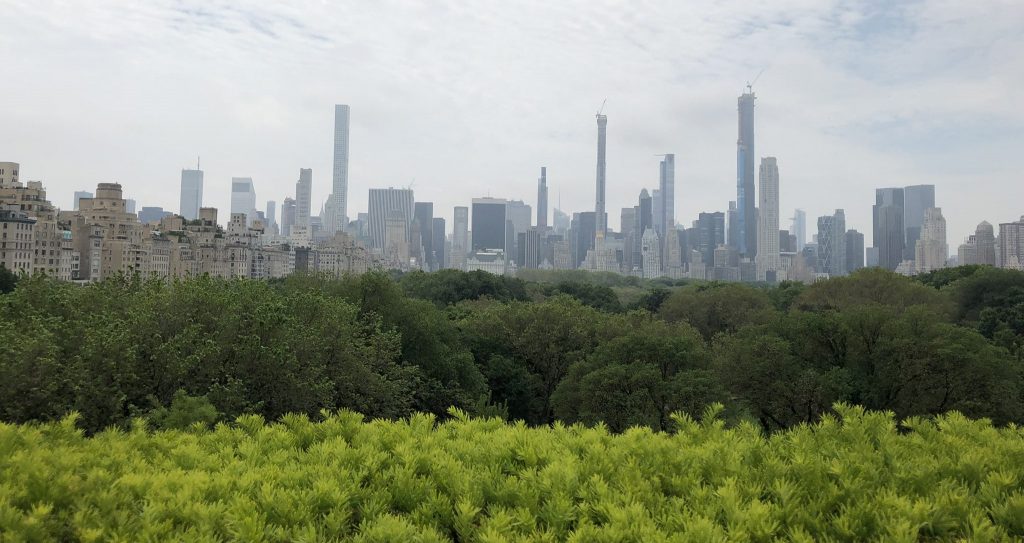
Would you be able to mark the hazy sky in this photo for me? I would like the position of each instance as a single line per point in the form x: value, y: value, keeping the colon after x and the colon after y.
x: 471, y: 98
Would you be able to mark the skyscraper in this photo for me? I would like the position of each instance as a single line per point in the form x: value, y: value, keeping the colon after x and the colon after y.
x: 1011, y: 244
x: 931, y: 249
x: 271, y: 213
x: 832, y: 244
x: 733, y: 227
x: 243, y: 197
x: 303, y: 197
x: 542, y: 198
x: 438, y: 244
x: 490, y: 224
x: 79, y: 194
x: 854, y: 251
x: 887, y: 227
x: 191, y: 194
x: 768, y: 259
x: 985, y: 239
x: 747, y: 231
x: 710, y: 235
x: 424, y: 216
x: 584, y: 235
x: 799, y: 228
x: 287, y: 216
x: 390, y: 217
x: 460, y: 238
x: 916, y: 200
x: 667, y: 186
x: 599, y: 208
x: 340, y: 184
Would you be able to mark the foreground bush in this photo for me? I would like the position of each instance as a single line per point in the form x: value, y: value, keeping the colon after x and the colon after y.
x: 857, y: 477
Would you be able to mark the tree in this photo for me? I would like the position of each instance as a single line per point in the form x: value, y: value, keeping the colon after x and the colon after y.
x: 184, y: 412
x: 715, y: 308
x: 8, y: 280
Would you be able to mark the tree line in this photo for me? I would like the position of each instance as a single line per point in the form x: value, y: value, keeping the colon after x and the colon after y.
x: 555, y: 348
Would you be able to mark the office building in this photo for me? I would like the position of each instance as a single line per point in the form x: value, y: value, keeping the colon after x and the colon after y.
x: 151, y: 215
x: 584, y: 235
x: 191, y: 198
x: 799, y: 228
x: 490, y: 224
x: 710, y: 235
x: 888, y: 235
x: 1011, y: 245
x: 733, y: 226
x: 931, y: 250
x: 390, y: 218
x: 340, y: 180
x: 423, y: 213
x: 438, y: 244
x: 917, y: 199
x: 271, y: 214
x: 650, y: 249
x: 599, y: 207
x: 832, y: 244
x: 288, y: 212
x: 243, y: 197
x: 854, y: 251
x: 79, y: 194
x: 986, y: 244
x: 460, y: 237
x: 746, y: 233
x: 768, y: 260
x: 542, y: 198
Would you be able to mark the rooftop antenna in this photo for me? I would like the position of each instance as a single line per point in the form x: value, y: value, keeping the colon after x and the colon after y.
x: 602, y: 107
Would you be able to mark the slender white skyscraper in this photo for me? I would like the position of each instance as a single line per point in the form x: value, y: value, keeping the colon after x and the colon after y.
x: 340, y: 185
x: 303, y: 197
x: 746, y: 232
x: 542, y: 198
x: 768, y: 260
x: 191, y: 194
x: 799, y: 228
x: 667, y: 185
x: 599, y: 207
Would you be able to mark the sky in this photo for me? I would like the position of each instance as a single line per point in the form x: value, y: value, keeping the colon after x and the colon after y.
x: 466, y: 99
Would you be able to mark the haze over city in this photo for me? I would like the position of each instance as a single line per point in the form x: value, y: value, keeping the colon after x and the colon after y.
x: 469, y: 100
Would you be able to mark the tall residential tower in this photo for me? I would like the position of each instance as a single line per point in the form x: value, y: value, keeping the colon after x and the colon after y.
x: 191, y: 193
x: 599, y: 207
x: 542, y: 198
x: 768, y: 259
x: 340, y: 185
x: 746, y: 240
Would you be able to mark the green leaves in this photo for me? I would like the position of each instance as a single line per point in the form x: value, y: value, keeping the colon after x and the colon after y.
x: 855, y: 476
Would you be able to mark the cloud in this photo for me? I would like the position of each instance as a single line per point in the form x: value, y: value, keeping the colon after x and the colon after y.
x: 472, y: 98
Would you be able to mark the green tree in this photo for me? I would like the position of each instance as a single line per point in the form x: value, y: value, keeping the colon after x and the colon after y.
x: 714, y: 308
x: 184, y: 412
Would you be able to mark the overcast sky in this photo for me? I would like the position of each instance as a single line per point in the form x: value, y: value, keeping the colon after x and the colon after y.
x: 468, y: 99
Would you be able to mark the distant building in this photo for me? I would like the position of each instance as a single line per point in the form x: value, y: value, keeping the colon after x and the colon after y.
x: 460, y: 238
x: 710, y: 234
x: 304, y: 198
x: 191, y: 198
x: 340, y: 180
x: 854, y: 251
x: 917, y: 199
x: 768, y: 260
x: 799, y: 228
x: 931, y: 250
x: 390, y: 220
x: 542, y: 198
x: 888, y: 235
x: 288, y: 211
x: 490, y: 228
x: 832, y: 244
x: 18, y: 242
x: 79, y: 194
x: 651, y: 251
x: 599, y: 207
x: 986, y: 241
x: 9, y: 174
x: 1011, y: 245
x: 423, y: 213
x: 154, y: 214
x: 746, y: 233
x: 243, y: 197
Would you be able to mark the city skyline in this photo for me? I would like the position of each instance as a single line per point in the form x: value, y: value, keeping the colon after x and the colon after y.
x: 872, y: 119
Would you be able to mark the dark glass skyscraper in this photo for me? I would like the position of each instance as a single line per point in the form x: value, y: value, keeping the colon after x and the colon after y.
x: 747, y: 219
x: 887, y: 234
x: 916, y: 199
x: 490, y: 218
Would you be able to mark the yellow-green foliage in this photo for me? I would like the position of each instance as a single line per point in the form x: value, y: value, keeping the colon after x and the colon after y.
x: 858, y: 477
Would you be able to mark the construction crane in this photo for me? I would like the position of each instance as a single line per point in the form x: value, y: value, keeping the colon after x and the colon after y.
x: 750, y: 84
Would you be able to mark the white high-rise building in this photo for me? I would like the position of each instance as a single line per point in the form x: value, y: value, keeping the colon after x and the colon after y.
x: 931, y: 251
x: 667, y: 185
x: 243, y: 197
x: 599, y: 208
x: 799, y: 228
x: 191, y: 194
x: 460, y: 238
x: 767, y: 259
x: 388, y: 209
x: 340, y: 185
x: 303, y: 197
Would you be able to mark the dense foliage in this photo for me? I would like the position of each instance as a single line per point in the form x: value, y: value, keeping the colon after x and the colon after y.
x: 852, y: 477
x: 562, y: 349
